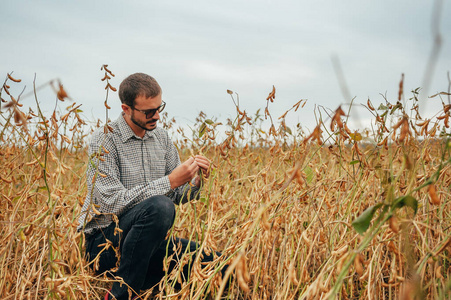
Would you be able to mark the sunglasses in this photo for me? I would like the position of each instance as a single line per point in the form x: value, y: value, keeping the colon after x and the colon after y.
x: 151, y: 112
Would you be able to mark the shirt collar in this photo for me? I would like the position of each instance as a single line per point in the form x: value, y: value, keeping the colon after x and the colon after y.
x: 127, y: 133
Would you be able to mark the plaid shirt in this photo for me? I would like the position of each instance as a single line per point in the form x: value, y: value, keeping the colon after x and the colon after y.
x: 134, y: 169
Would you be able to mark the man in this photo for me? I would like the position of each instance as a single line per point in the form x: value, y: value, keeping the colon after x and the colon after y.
x: 134, y: 177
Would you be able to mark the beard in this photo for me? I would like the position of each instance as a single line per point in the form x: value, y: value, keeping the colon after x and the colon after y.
x: 144, y: 125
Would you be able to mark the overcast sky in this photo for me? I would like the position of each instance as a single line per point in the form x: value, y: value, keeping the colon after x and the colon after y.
x: 198, y: 49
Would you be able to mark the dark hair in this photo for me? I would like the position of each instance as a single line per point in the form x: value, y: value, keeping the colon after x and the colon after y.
x: 138, y: 84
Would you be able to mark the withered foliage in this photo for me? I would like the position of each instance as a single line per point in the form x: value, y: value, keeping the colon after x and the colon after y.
x: 280, y: 204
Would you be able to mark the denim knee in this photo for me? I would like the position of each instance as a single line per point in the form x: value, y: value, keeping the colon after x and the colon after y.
x: 160, y: 208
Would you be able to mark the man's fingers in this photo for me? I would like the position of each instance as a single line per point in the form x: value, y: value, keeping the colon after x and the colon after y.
x: 205, y: 168
x: 194, y: 165
x: 203, y: 165
x: 189, y: 161
x: 193, y: 168
x: 202, y: 162
x: 201, y: 158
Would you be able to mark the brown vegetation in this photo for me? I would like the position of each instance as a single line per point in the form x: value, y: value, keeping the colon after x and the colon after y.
x: 337, y: 213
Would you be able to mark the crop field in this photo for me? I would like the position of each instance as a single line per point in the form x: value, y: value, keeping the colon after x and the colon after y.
x: 328, y: 213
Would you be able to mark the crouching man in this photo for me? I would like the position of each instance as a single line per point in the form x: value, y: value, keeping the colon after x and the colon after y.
x: 135, y: 178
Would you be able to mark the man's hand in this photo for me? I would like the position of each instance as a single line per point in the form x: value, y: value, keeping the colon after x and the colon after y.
x: 204, y: 165
x: 183, y: 173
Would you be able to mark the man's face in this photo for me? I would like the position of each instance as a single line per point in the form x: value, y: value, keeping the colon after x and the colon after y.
x: 139, y: 118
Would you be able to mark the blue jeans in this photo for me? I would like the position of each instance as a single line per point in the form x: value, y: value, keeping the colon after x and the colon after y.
x: 141, y: 244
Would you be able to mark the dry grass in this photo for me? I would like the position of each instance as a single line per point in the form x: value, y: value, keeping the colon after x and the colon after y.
x: 282, y: 206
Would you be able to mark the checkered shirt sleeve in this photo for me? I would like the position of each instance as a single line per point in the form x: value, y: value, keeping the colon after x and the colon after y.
x: 125, y: 169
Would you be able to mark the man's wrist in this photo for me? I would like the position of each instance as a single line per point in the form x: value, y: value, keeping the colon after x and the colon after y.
x: 171, y: 182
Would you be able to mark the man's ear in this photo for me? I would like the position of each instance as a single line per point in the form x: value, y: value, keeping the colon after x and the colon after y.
x: 126, y: 109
